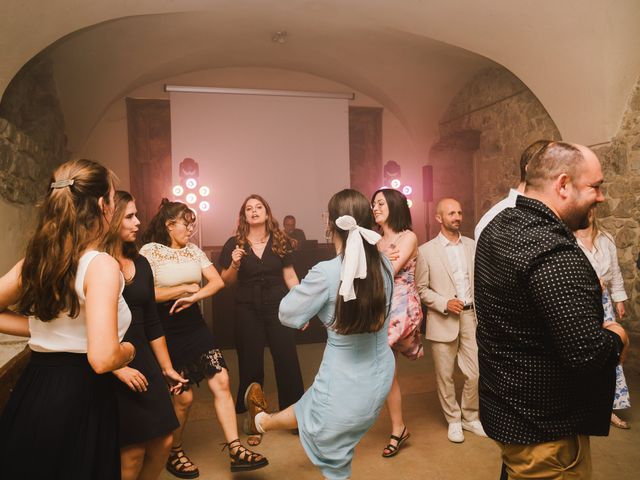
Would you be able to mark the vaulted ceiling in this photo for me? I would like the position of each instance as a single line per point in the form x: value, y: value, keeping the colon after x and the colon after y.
x: 578, y: 56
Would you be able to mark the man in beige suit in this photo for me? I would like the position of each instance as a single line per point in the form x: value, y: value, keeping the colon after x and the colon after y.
x: 444, y: 277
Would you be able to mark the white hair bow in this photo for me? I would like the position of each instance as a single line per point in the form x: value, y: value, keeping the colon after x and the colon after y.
x: 354, y: 263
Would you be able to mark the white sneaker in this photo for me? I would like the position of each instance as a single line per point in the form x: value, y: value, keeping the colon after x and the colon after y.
x: 455, y: 432
x: 474, y: 427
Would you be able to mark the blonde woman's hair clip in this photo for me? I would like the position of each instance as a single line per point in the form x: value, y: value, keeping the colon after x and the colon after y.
x: 62, y: 183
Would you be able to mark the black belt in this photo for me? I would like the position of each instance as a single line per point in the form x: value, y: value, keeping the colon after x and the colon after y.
x: 468, y: 306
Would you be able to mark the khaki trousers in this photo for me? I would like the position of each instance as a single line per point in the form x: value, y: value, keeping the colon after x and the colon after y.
x: 465, y: 350
x: 564, y: 459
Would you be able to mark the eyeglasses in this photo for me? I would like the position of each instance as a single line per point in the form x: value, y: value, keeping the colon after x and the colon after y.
x: 188, y: 226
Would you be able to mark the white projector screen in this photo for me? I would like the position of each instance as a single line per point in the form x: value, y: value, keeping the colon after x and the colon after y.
x: 294, y: 151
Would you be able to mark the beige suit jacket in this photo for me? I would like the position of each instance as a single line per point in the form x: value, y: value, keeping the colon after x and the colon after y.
x: 434, y: 279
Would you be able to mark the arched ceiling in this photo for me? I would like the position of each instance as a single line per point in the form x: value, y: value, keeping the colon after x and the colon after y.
x: 579, y: 57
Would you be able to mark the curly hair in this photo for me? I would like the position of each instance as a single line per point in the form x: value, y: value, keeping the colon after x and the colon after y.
x: 281, y: 243
x: 168, y: 213
x: 70, y: 219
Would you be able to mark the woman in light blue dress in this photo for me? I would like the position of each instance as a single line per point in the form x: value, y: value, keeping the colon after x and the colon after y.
x: 351, y: 295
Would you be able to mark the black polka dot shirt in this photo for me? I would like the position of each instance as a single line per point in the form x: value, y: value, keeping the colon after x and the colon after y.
x: 547, y: 367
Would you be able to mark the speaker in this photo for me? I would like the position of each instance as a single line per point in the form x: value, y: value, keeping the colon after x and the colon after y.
x: 427, y: 183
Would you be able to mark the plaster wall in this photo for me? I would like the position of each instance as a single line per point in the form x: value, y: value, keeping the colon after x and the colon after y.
x: 107, y: 142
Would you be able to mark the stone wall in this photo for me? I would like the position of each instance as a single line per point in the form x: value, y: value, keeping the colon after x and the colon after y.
x: 32, y: 139
x: 508, y: 117
x: 32, y: 144
x: 620, y: 213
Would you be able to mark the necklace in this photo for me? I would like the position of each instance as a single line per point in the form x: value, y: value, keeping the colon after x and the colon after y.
x: 258, y: 242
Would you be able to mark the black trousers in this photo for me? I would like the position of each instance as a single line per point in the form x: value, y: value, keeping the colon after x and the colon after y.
x: 257, y: 325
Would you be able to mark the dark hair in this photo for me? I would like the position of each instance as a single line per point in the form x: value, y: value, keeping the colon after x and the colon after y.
x: 69, y: 220
x: 399, y: 215
x: 288, y: 217
x: 281, y: 244
x: 367, y: 312
x: 551, y: 161
x: 168, y: 213
x: 528, y: 154
x: 113, y: 244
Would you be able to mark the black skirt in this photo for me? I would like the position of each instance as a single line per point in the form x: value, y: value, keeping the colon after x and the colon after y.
x: 61, y: 422
x: 144, y: 415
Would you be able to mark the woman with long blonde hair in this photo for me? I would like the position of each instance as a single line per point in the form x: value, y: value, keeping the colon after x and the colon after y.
x: 259, y: 260
x: 61, y: 420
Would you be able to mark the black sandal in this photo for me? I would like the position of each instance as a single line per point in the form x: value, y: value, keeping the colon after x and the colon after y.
x: 394, y: 449
x: 244, y: 460
x: 178, y: 462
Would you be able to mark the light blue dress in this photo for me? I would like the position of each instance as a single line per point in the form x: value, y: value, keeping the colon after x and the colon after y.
x: 354, y: 377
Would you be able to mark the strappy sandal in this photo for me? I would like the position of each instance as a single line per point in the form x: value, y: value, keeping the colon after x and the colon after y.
x: 391, y: 450
x: 244, y: 460
x: 178, y: 463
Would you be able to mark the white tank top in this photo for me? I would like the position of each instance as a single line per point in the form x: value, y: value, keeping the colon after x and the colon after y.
x: 66, y: 334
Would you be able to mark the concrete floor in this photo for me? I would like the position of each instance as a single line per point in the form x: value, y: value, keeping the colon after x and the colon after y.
x: 427, y: 454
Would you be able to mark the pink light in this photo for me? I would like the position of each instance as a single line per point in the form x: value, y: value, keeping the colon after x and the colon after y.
x: 204, y: 206
x: 191, y: 198
x: 407, y: 190
x: 178, y: 190
x: 191, y: 183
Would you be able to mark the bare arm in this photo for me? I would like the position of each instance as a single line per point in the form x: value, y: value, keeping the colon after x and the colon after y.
x: 407, y: 248
x: 173, y: 378
x: 230, y: 274
x: 290, y: 277
x: 102, y: 289
x: 12, y: 323
x: 164, y: 294
x: 214, y: 284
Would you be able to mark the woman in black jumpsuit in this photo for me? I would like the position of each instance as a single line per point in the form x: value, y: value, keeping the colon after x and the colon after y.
x: 259, y: 260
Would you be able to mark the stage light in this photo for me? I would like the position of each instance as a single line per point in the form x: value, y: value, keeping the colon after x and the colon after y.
x: 204, y: 206
x: 191, y: 198
x: 409, y: 203
x: 178, y: 190
x: 191, y: 183
x: 407, y: 190
x: 204, y: 191
x: 395, y: 183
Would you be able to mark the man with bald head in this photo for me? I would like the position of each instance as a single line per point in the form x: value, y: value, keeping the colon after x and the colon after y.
x: 547, y: 365
x: 444, y: 277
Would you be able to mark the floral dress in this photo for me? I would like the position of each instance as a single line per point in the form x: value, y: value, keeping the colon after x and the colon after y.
x: 406, y: 313
x: 621, y: 399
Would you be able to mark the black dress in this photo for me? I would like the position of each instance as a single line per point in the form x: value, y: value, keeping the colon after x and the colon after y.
x: 260, y: 289
x: 150, y: 414
x: 189, y: 341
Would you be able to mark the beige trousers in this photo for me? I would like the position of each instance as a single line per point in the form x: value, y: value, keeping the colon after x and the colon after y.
x: 565, y: 459
x: 465, y: 349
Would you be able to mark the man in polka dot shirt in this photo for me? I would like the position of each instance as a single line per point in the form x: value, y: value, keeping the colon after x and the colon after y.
x: 547, y: 366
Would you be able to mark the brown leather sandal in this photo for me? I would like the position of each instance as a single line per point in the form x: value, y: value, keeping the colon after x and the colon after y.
x: 243, y: 459
x: 178, y: 463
